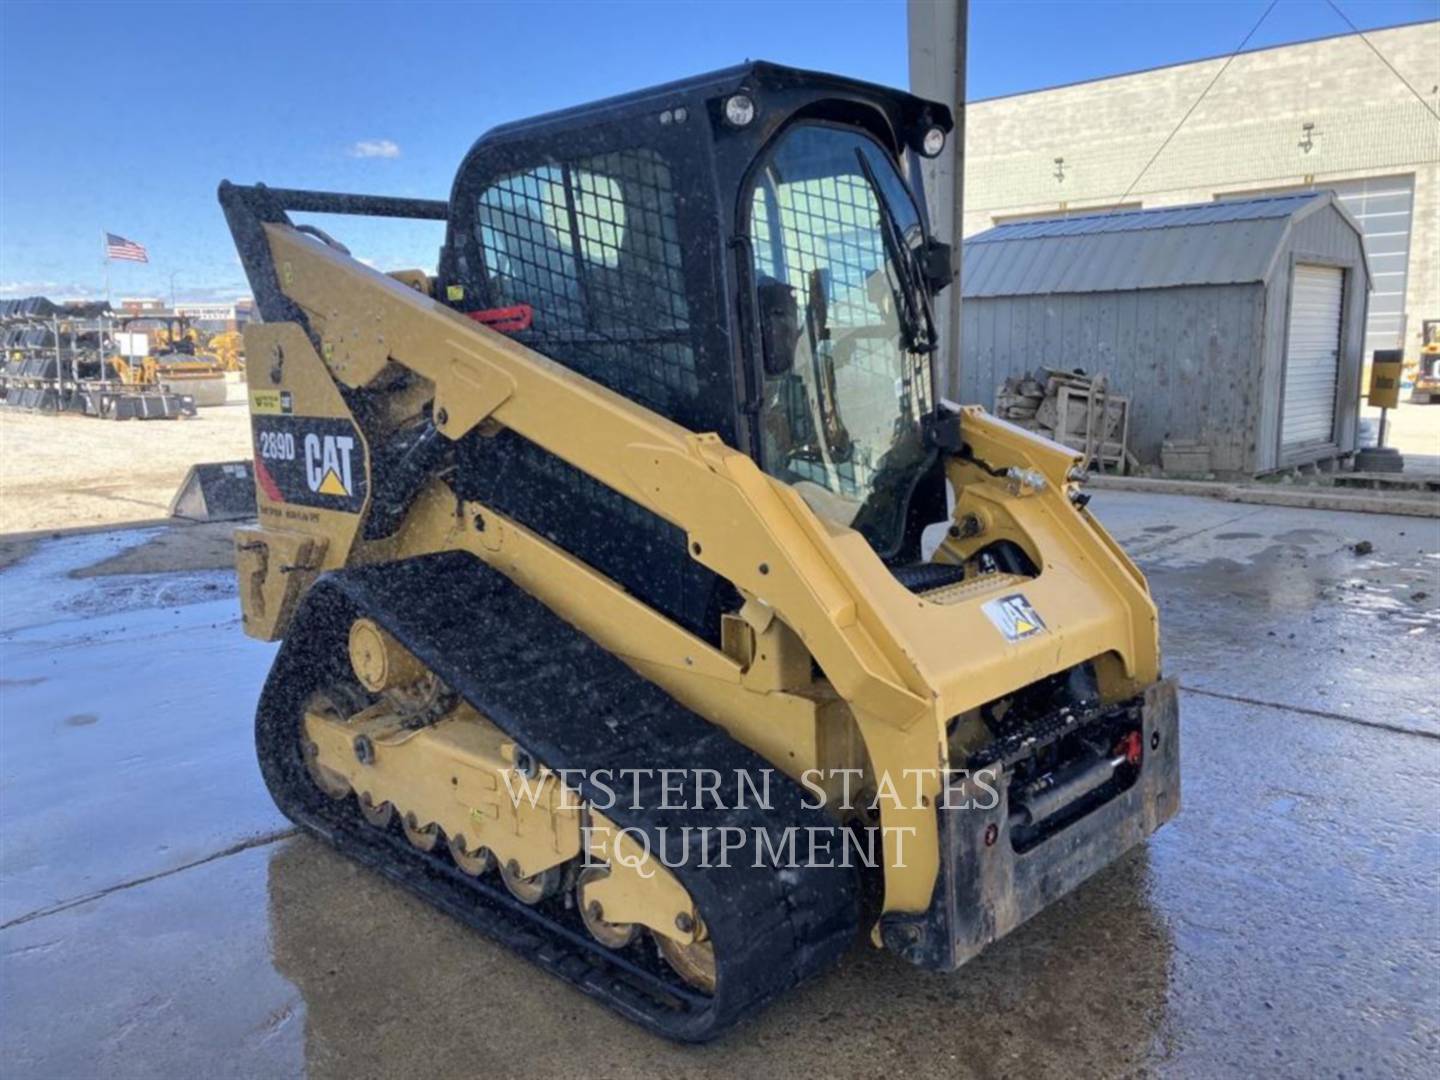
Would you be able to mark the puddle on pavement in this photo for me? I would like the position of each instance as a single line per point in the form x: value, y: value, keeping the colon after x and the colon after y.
x: 1294, y: 578
x: 352, y: 944
x: 42, y: 587
x: 1307, y: 624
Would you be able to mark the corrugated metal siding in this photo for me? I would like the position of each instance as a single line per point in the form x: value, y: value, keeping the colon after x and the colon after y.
x: 1228, y: 254
x: 1160, y: 217
x: 1188, y: 357
x: 1200, y: 362
x: 1221, y: 243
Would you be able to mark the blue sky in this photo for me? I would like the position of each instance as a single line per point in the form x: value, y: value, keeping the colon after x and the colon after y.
x: 125, y: 116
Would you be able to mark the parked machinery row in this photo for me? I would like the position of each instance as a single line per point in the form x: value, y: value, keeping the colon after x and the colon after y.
x: 62, y: 358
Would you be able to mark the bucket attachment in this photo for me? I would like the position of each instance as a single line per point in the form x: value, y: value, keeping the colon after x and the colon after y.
x: 216, y: 491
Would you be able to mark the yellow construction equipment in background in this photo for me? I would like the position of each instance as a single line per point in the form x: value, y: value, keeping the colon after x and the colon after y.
x: 1427, y: 373
x: 179, y: 360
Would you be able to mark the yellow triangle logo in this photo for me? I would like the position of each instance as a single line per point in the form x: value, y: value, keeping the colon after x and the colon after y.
x: 1022, y: 626
x: 331, y: 484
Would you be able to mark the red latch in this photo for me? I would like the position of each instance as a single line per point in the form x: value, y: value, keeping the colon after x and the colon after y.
x: 507, y: 320
x: 1130, y: 748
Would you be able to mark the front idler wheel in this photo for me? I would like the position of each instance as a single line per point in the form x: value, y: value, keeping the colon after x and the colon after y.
x: 332, y: 783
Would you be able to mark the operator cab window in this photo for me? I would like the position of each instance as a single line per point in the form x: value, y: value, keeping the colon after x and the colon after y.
x: 844, y: 392
x: 592, y: 246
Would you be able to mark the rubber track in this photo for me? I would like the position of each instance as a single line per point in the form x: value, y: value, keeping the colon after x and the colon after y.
x: 572, y: 705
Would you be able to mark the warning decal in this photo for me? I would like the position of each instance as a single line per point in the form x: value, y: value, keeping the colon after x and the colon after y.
x: 1014, y: 617
x: 271, y: 402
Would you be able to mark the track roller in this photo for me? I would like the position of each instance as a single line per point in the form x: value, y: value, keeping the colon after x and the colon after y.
x: 611, y: 935
x: 474, y: 863
x: 693, y: 961
x: 379, y: 816
x: 425, y: 838
x: 535, y: 888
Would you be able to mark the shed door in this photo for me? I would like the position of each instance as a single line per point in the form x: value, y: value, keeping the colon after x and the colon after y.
x: 1312, y: 357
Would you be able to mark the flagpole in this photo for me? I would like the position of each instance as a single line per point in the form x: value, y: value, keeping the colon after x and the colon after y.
x: 105, y: 258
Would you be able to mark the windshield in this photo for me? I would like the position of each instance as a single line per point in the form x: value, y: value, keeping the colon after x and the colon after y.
x: 844, y: 320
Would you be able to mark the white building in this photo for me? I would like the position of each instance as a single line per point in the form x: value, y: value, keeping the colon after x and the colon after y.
x: 1318, y: 114
x: 218, y: 315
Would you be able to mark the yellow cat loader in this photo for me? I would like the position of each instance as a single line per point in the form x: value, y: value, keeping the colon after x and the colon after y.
x: 642, y: 606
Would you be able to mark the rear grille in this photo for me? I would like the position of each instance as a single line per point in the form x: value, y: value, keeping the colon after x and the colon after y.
x: 982, y: 585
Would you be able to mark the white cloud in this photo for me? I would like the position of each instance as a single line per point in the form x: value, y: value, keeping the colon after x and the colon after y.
x: 29, y: 288
x: 61, y: 290
x: 212, y: 293
x: 375, y: 148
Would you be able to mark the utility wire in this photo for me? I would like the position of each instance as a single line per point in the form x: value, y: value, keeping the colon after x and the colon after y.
x: 1383, y: 60
x: 1188, y: 112
x: 1080, y: 249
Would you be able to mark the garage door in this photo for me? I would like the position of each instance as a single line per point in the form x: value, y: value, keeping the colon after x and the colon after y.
x: 1383, y: 207
x: 1312, y: 357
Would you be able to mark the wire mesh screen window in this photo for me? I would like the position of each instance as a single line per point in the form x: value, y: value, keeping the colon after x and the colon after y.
x: 593, y: 247
x: 826, y: 230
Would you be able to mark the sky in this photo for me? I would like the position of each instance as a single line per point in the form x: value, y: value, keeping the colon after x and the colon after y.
x: 125, y: 116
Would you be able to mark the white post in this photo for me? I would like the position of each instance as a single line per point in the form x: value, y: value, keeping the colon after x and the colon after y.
x: 937, y: 72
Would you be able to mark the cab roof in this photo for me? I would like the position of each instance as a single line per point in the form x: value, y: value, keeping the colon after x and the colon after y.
x: 906, y: 111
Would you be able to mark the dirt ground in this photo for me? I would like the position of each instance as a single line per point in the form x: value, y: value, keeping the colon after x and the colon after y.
x: 63, y: 472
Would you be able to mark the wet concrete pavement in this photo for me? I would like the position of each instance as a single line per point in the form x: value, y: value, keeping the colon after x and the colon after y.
x: 156, y: 919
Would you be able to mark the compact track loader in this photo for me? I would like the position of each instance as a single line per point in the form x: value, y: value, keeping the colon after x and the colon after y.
x: 642, y: 606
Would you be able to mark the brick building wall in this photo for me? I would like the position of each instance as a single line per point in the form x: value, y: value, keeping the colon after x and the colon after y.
x: 1248, y: 135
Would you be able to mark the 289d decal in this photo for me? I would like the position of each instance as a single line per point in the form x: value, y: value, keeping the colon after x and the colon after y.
x: 310, y: 461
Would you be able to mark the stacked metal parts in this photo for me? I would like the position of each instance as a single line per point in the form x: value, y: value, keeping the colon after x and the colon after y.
x: 58, y: 358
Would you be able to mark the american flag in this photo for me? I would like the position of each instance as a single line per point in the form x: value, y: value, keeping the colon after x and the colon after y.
x: 117, y: 247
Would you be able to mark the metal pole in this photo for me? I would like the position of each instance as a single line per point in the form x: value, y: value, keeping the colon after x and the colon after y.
x: 105, y: 258
x: 937, y: 38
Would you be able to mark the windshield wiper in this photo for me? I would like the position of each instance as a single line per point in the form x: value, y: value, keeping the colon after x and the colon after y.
x: 912, y: 302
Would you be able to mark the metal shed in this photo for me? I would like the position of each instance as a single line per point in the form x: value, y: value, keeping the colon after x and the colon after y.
x: 1236, y: 325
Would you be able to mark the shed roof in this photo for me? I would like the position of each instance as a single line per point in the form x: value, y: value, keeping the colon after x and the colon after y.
x: 1227, y: 242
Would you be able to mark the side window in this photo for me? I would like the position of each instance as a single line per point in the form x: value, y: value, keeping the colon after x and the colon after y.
x: 600, y: 217
x: 827, y: 224
x: 592, y: 245
x: 842, y: 394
